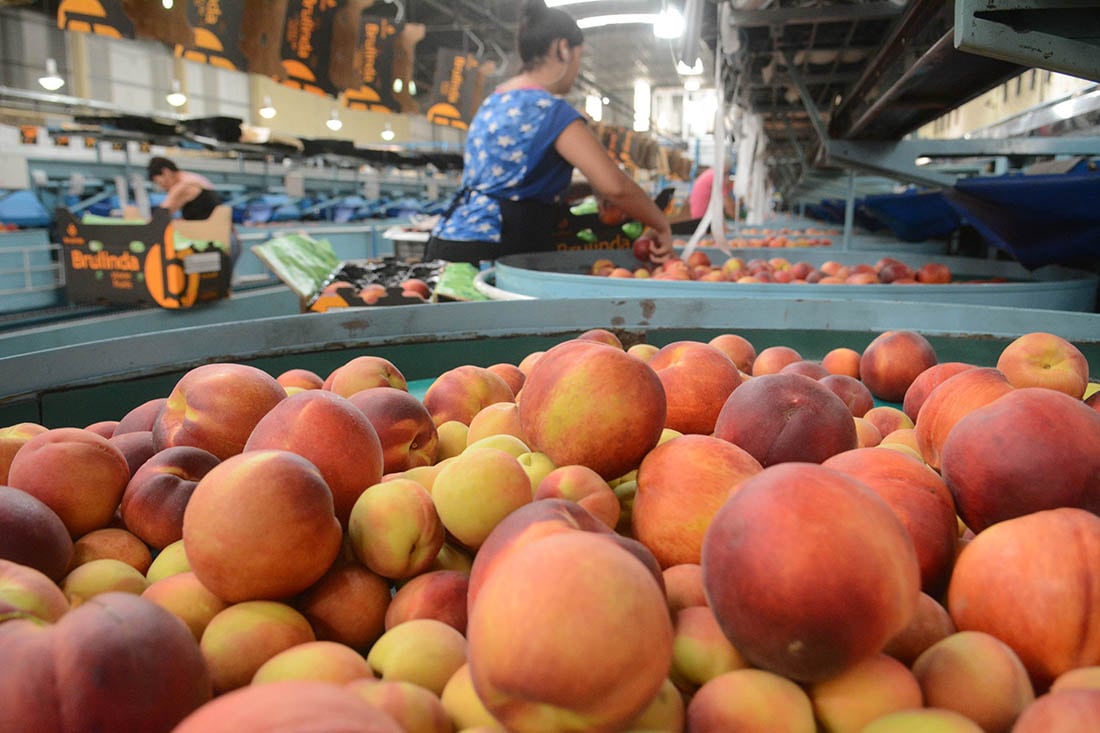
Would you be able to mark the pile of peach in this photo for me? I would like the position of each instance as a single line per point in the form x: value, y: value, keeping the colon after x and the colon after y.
x: 698, y: 266
x: 692, y: 537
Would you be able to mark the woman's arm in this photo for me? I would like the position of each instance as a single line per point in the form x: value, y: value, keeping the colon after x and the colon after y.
x: 578, y: 145
x: 180, y: 194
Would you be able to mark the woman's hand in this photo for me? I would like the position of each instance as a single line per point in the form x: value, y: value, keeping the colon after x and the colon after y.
x: 661, y: 247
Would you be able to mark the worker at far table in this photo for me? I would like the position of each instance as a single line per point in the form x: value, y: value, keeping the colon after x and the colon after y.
x: 701, y: 189
x: 190, y: 194
x: 521, y: 149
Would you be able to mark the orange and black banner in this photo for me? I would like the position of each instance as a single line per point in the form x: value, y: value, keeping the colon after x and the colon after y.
x: 217, y: 27
x: 308, y: 45
x: 102, y: 17
x: 454, y: 89
x: 373, y: 64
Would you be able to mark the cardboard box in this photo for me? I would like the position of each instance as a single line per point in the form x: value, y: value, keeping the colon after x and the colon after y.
x: 167, y: 262
x: 313, y: 271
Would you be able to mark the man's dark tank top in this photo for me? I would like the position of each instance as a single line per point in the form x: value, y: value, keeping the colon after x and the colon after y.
x: 202, y: 206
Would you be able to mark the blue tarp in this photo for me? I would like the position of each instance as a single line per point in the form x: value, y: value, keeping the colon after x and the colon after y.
x: 23, y: 209
x: 914, y: 216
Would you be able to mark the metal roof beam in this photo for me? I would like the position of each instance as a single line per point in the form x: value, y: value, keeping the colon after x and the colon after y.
x: 836, y: 13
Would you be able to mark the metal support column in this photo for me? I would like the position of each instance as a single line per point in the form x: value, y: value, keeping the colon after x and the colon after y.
x: 849, y: 211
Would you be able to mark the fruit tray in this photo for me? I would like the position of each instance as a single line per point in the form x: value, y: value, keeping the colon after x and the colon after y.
x: 79, y: 383
x: 974, y: 281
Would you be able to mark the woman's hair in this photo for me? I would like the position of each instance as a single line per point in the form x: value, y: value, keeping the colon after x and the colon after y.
x: 539, y: 27
x: 158, y: 165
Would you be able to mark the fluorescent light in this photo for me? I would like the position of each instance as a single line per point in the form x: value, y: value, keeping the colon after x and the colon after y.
x: 268, y: 111
x: 599, y: 21
x: 387, y: 133
x: 333, y: 122
x: 176, y: 97
x: 52, y: 81
x: 562, y: 3
x: 593, y: 107
x: 684, y: 70
x: 642, y: 108
x: 670, y: 24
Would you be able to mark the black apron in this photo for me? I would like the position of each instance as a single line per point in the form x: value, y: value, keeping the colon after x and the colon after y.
x: 525, y: 226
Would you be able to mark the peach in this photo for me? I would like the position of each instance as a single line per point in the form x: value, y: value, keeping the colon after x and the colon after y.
x: 613, y: 617
x: 875, y: 687
x: 931, y: 622
x: 104, y: 428
x: 452, y: 439
x: 169, y: 561
x: 510, y: 444
x: 887, y: 419
x: 118, y: 662
x: 697, y: 378
x: 803, y: 522
x: 773, y: 358
x: 331, y: 433
x: 786, y: 417
x: 96, y: 577
x: 601, y: 336
x: 394, y: 529
x: 241, y: 637
x: 751, y: 700
x: 738, y: 348
x: 700, y: 651
x: 584, y: 486
x: 643, y: 351
x: 290, y: 705
x: 186, y: 598
x: 260, y: 525
x: 476, y: 490
x: 919, y: 498
x: 681, y: 486
x: 141, y: 418
x: 436, y: 594
x: 1041, y: 359
x: 464, y: 707
x: 925, y: 720
x: 414, y: 708
x: 950, y: 402
x: 462, y: 392
x: 593, y: 406
x: 684, y: 586
x: 891, y: 362
x: 975, y: 674
x: 453, y: 557
x: 1031, y: 449
x: 324, y: 661
x: 510, y: 373
x: 155, y: 498
x: 665, y: 713
x: 927, y: 381
x: 423, y: 651
x: 77, y: 474
x: 851, y: 391
x: 1081, y: 678
x: 364, y: 372
x: 537, y: 466
x: 28, y: 593
x: 137, y: 447
x: 867, y: 435
x: 347, y: 605
x: 12, y: 439
x: 499, y: 418
x: 805, y: 367
x: 1001, y: 585
x: 32, y: 534
x: 298, y: 379
x: 215, y: 407
x: 405, y: 428
x: 527, y: 363
x: 1067, y: 711
x: 113, y: 543
x: 905, y: 437
x: 842, y: 361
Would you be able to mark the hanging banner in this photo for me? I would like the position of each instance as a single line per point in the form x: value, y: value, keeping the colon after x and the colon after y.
x: 307, y: 45
x: 373, y: 89
x: 102, y: 17
x: 155, y: 22
x: 217, y: 34
x: 404, y: 55
x: 262, y: 27
x: 453, y: 99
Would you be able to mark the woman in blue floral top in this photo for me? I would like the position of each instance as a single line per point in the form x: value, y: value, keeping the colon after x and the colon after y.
x: 521, y: 149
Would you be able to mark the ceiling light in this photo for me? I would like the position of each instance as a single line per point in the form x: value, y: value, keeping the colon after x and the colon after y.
x: 560, y: 3
x: 268, y: 111
x: 387, y: 133
x: 692, y: 85
x: 176, y: 98
x: 52, y: 81
x: 606, y: 100
x: 684, y: 70
x: 599, y: 21
x: 669, y: 24
x: 593, y: 107
x: 398, y: 85
x: 167, y: 4
x: 412, y: 87
x: 923, y: 160
x: 333, y: 122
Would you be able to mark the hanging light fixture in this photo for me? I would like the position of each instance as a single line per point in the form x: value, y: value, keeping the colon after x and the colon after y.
x: 268, y: 111
x: 398, y: 85
x: 52, y: 81
x: 412, y: 88
x: 387, y: 133
x: 176, y: 97
x: 334, y: 122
